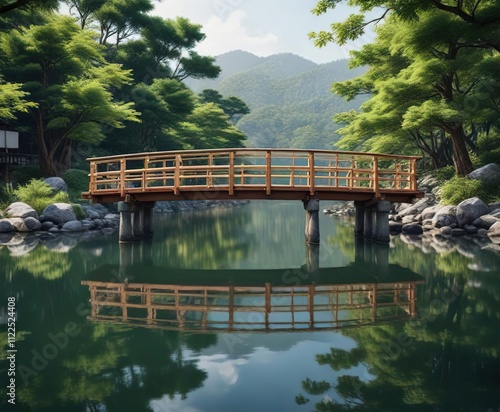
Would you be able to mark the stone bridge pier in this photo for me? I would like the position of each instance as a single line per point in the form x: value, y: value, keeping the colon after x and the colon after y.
x: 372, y: 220
x: 136, y: 220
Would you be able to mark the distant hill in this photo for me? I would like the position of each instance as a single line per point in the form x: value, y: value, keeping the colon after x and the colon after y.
x: 290, y: 97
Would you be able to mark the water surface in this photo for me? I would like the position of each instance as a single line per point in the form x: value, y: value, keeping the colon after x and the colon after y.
x: 435, y: 350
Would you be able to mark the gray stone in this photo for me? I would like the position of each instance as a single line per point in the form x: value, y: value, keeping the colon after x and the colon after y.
x: 416, y: 209
x: 430, y: 212
x: 59, y: 213
x: 395, y: 227
x: 485, y: 222
x: 6, y: 226
x: 408, y: 219
x: 490, y: 172
x: 98, y: 223
x: 482, y: 232
x: 495, y: 213
x: 73, y: 226
x: 47, y: 225
x: 32, y: 224
x: 54, y: 229
x: 412, y: 229
x: 18, y: 224
x: 426, y: 222
x: 494, y: 230
x: 458, y: 232
x: 427, y: 228
x: 470, y: 209
x: 20, y: 209
x: 93, y: 214
x: 446, y: 231
x: 57, y: 184
x: 494, y: 206
x: 112, y: 216
x: 470, y: 230
x: 444, y: 217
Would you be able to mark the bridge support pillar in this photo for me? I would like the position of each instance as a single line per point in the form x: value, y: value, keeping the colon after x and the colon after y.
x: 372, y: 221
x: 126, y: 233
x: 136, y: 220
x: 312, y: 220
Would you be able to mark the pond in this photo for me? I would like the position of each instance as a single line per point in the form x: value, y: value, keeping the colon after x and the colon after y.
x: 228, y: 309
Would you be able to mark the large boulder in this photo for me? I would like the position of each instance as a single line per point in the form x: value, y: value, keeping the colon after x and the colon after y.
x: 32, y: 224
x: 57, y: 184
x: 73, y: 226
x: 412, y: 229
x: 470, y: 209
x: 18, y: 224
x: 21, y: 209
x: 431, y: 211
x: 485, y: 221
x: 490, y: 172
x: 417, y: 208
x: 59, y: 213
x: 6, y: 226
x: 445, y: 217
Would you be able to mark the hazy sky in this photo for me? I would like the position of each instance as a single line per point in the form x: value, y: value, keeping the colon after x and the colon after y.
x: 262, y: 27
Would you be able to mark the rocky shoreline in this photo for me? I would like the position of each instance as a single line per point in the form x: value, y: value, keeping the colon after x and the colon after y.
x: 433, y: 221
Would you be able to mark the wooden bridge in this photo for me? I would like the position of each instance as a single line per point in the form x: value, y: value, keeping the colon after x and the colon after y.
x: 284, y: 174
x: 252, y: 174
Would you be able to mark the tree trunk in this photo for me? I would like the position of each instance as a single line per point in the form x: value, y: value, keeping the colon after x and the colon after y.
x: 461, y: 158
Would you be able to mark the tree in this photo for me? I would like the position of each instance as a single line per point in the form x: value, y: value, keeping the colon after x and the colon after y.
x: 424, y: 83
x: 232, y: 106
x: 208, y: 127
x: 63, y: 69
x: 7, y: 6
x: 12, y: 100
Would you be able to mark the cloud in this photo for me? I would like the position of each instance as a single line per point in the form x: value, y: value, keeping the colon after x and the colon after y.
x: 232, y: 34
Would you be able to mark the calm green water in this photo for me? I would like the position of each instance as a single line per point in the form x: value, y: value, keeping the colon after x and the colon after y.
x: 444, y: 358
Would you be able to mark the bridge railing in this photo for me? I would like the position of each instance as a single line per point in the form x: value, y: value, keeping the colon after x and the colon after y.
x: 252, y: 169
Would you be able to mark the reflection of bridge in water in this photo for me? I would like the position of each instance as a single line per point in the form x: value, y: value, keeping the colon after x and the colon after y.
x: 260, y: 301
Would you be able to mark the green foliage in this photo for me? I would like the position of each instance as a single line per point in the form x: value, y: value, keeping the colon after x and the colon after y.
x: 444, y: 173
x: 79, y: 212
x: 459, y: 189
x: 39, y: 195
x: 489, y: 149
x: 77, y: 181
x: 6, y: 195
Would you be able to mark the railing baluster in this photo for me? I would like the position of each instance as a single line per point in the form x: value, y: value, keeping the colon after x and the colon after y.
x: 177, y: 174
x: 231, y: 173
x: 311, y: 173
x: 122, y: 177
x: 376, y: 188
x: 268, y: 173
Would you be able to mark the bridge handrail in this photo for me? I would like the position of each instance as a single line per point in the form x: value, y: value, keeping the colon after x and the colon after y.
x: 252, y: 169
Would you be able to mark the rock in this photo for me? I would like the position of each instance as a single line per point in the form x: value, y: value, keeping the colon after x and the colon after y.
x: 485, y: 222
x: 430, y: 212
x: 98, y: 223
x: 408, y: 219
x: 470, y: 209
x: 402, y: 206
x: 59, y: 213
x: 444, y: 217
x: 5, y: 238
x: 428, y: 183
x: 54, y: 229
x: 446, y: 231
x: 32, y: 224
x: 18, y: 224
x: 490, y: 172
x: 93, y: 214
x: 112, y: 216
x: 494, y: 230
x: 494, y: 206
x: 57, y: 184
x: 482, y: 232
x: 415, y: 209
x: 395, y: 228
x: 495, y: 213
x: 6, y: 226
x: 412, y: 229
x: 427, y: 228
x: 458, y: 232
x: 470, y: 230
x: 47, y: 225
x: 73, y: 226
x: 20, y: 209
x: 426, y: 222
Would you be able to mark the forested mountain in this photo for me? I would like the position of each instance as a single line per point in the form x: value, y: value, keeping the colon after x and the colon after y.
x: 290, y: 97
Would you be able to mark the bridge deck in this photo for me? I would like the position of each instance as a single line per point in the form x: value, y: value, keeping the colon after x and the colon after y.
x: 285, y: 174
